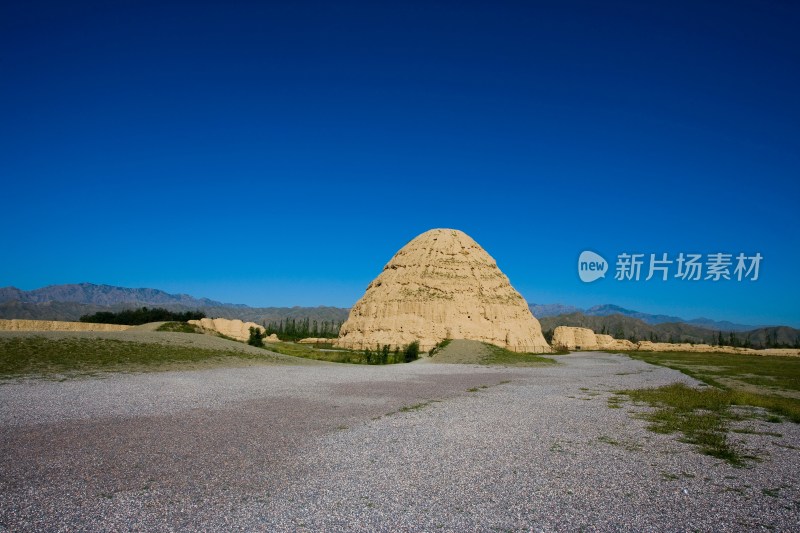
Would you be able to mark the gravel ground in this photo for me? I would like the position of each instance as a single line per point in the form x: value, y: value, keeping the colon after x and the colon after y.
x: 327, y: 447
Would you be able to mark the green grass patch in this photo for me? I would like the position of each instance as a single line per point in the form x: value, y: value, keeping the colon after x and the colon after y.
x: 702, y: 415
x: 34, y: 355
x: 384, y: 355
x: 502, y: 356
x: 178, y: 327
x: 615, y: 402
x: 754, y: 432
x: 731, y: 370
x: 308, y: 351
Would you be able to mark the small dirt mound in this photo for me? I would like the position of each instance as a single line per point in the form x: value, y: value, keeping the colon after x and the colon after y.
x: 463, y: 352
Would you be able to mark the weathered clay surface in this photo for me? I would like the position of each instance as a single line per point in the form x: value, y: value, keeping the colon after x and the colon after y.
x: 607, y: 342
x: 647, y: 346
x: 55, y: 325
x: 571, y: 338
x: 235, y: 329
x: 442, y: 285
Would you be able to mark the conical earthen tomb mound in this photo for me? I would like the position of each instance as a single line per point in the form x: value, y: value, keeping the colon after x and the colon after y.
x: 442, y: 285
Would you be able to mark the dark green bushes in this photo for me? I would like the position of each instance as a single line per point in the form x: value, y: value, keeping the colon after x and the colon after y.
x: 293, y: 329
x: 178, y: 327
x: 385, y: 356
x: 412, y: 352
x: 136, y: 317
x: 256, y: 337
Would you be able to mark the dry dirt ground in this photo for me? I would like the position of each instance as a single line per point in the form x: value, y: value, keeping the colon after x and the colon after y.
x: 415, y: 447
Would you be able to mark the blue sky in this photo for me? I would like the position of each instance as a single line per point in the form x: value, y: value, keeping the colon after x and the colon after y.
x: 280, y: 153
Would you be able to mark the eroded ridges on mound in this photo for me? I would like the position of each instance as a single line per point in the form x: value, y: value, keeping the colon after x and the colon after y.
x: 441, y: 285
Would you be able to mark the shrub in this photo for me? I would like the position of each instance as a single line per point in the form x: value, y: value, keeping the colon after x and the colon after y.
x: 412, y: 352
x: 256, y: 337
x: 136, y: 317
x: 385, y: 354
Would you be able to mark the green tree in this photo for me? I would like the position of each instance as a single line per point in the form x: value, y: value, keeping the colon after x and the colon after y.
x: 256, y: 337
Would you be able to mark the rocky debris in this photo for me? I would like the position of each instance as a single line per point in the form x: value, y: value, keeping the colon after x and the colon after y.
x: 441, y: 285
x: 55, y: 325
x: 235, y: 329
x: 573, y: 338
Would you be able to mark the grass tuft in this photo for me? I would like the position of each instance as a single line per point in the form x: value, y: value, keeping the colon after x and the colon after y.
x: 415, y: 407
x: 439, y: 346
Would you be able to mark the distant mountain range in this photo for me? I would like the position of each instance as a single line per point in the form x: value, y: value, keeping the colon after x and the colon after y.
x: 107, y: 295
x: 547, y: 310
x: 70, y: 302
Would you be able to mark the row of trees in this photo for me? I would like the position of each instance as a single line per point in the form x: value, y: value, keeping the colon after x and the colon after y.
x: 381, y: 356
x: 293, y: 329
x: 143, y: 315
x: 385, y: 356
x: 731, y: 338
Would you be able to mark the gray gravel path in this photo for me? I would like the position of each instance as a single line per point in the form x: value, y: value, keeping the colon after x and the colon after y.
x: 327, y: 447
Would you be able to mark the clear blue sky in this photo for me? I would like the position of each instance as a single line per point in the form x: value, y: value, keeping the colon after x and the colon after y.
x: 280, y: 153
